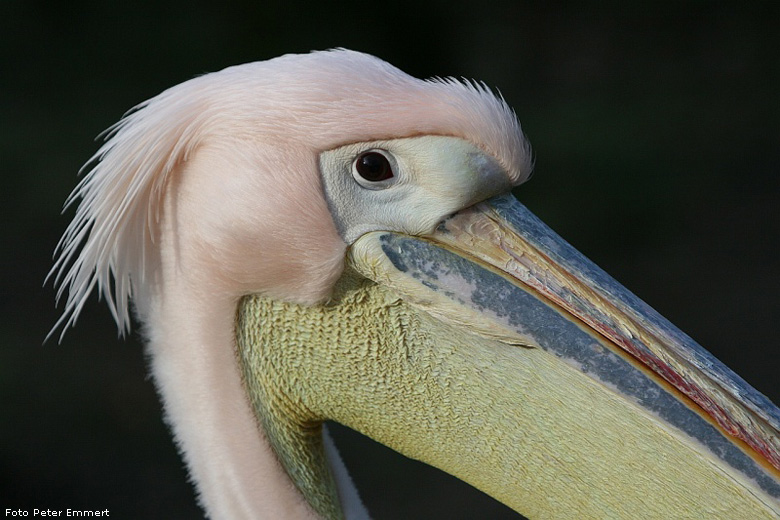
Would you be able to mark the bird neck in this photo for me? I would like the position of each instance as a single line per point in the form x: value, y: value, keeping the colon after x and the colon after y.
x: 193, y: 359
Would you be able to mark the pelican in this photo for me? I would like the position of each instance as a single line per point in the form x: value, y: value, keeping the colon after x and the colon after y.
x: 324, y: 237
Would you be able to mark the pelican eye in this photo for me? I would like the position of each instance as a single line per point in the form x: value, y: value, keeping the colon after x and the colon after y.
x: 372, y: 168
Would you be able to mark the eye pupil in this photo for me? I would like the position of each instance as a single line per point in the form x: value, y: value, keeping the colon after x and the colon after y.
x: 373, y: 167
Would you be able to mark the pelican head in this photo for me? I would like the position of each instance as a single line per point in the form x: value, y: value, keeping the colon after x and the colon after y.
x: 323, y: 237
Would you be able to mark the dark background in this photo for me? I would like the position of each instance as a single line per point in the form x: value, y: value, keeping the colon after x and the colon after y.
x: 657, y: 136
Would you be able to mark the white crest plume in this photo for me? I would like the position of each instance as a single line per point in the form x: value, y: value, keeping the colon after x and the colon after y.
x: 113, y: 232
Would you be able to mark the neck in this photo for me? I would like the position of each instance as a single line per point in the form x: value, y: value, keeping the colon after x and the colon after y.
x: 189, y: 309
x: 193, y: 358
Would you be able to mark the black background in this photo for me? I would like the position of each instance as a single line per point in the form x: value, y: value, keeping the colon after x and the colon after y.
x: 656, y: 131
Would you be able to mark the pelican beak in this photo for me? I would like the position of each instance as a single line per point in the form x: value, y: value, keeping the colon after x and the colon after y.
x: 493, y: 350
x: 499, y: 272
